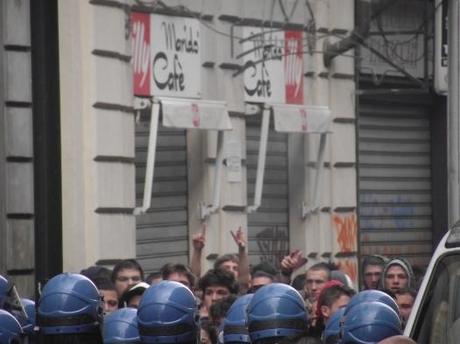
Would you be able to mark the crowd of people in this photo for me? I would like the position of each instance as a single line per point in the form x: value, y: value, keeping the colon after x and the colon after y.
x: 230, y: 303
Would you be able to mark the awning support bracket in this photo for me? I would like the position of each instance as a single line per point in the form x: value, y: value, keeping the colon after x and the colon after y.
x: 261, y: 159
x: 194, y: 110
x: 306, y: 211
x: 141, y: 104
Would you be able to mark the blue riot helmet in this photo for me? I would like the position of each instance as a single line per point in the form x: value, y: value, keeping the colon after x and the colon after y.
x: 235, y: 322
x: 369, y: 323
x: 28, y: 323
x: 372, y: 295
x: 331, y: 333
x: 276, y: 310
x: 10, y: 329
x: 69, y: 304
x: 167, y: 314
x: 121, y: 327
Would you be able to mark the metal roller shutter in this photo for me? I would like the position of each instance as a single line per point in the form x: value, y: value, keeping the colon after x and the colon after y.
x: 268, y: 228
x: 395, y: 176
x: 161, y: 234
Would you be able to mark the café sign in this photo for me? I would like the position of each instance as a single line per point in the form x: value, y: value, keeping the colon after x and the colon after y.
x: 273, y: 62
x: 166, y: 56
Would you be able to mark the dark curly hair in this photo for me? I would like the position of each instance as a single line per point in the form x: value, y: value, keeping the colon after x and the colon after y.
x: 218, y: 277
x: 126, y: 264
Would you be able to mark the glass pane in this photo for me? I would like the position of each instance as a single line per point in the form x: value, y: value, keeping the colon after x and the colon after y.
x: 439, y: 316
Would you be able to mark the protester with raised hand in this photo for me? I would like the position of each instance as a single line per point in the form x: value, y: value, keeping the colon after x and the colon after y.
x: 290, y: 264
x: 237, y: 264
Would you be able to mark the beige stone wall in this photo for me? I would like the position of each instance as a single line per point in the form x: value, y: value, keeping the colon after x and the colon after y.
x: 330, y: 233
x: 98, y: 140
x: 16, y: 149
x: 97, y: 133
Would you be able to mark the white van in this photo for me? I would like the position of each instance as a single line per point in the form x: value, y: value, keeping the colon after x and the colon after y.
x: 435, y: 317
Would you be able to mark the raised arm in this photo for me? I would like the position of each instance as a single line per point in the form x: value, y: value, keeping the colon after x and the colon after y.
x: 289, y: 264
x: 243, y: 265
x: 198, y: 241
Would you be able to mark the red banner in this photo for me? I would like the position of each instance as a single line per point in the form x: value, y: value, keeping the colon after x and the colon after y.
x: 293, y: 67
x: 141, y: 53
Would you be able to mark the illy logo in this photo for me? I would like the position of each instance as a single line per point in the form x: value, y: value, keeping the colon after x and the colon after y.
x: 293, y: 67
x: 141, y: 53
x: 303, y: 119
x: 195, y: 115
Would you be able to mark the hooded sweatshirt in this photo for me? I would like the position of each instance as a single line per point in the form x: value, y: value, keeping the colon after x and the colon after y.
x: 406, y: 267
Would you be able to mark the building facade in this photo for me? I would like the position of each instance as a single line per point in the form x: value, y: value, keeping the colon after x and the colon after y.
x: 301, y: 151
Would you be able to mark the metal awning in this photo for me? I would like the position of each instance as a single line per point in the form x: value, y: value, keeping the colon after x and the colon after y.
x: 292, y: 119
x: 184, y: 114
x: 301, y: 119
x: 194, y: 114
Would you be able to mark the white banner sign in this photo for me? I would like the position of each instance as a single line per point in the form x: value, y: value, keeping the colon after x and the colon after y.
x: 211, y: 115
x: 176, y: 59
x: 302, y: 119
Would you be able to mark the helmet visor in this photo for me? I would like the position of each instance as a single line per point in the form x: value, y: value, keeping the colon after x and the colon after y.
x: 13, y: 304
